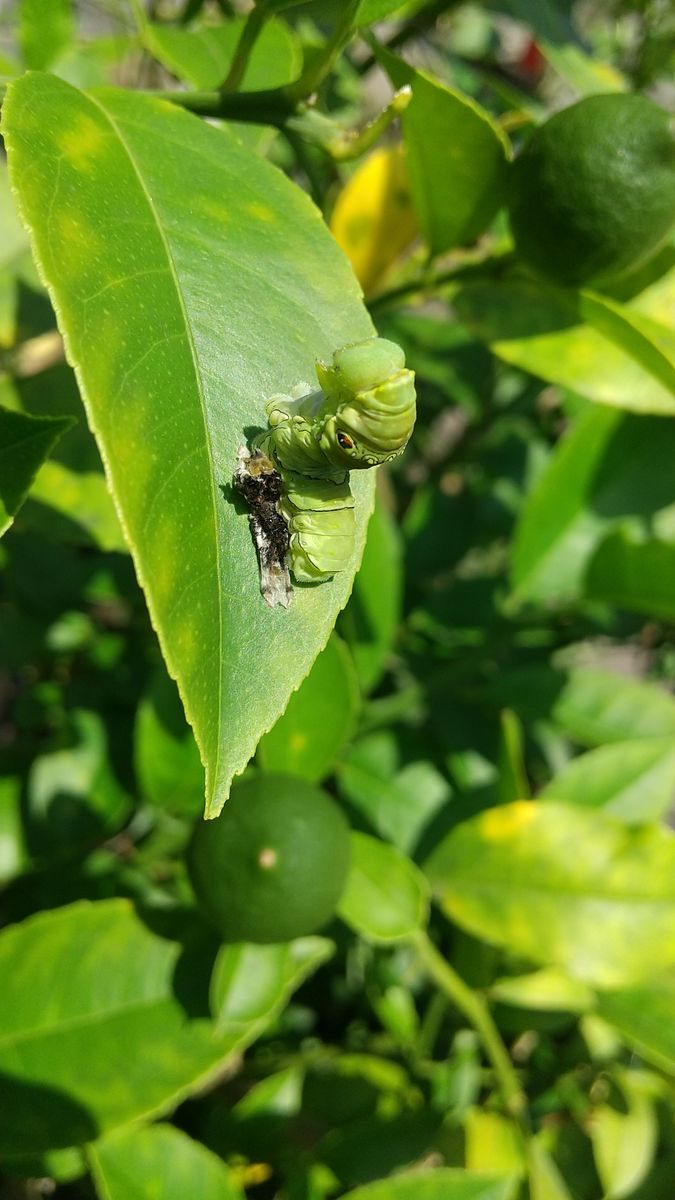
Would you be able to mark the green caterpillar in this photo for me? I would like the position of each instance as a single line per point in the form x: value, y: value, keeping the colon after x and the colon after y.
x: 362, y: 416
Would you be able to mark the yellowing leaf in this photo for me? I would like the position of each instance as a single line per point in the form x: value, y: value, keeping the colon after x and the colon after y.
x: 374, y: 219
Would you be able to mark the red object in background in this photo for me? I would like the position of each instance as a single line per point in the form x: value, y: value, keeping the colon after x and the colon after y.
x: 531, y: 63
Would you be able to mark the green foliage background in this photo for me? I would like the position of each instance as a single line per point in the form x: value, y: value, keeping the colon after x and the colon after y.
x: 490, y: 1015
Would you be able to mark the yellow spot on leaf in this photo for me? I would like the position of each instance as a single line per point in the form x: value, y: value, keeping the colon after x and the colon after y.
x: 500, y: 824
x: 374, y: 219
x: 260, y: 211
x: 297, y: 742
x: 81, y: 142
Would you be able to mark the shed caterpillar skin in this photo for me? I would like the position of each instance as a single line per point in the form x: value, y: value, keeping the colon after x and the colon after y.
x: 362, y: 415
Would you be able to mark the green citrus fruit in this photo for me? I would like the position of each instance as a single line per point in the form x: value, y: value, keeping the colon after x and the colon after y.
x: 593, y: 192
x: 273, y: 865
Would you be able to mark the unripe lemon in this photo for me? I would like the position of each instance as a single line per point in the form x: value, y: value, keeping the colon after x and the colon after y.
x: 273, y: 865
x: 593, y: 192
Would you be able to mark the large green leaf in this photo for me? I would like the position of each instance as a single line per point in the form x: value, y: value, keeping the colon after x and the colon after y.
x: 25, y: 442
x: 595, y: 346
x: 444, y: 1184
x: 644, y: 1018
x: 191, y: 281
x: 563, y: 886
x: 142, y: 1164
x: 611, y: 467
x: 202, y: 56
x: 103, y: 1021
x: 318, y: 719
x: 457, y: 158
x: 635, y: 781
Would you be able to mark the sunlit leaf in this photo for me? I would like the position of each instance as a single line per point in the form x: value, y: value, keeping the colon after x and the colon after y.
x: 160, y: 1160
x: 186, y: 329
x: 634, y: 781
x: 443, y: 1184
x: 644, y: 1018
x: 103, y: 1021
x: 564, y: 886
x: 624, y: 1139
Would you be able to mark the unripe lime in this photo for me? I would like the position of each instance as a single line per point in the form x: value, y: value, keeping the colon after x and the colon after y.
x: 593, y: 192
x: 273, y: 866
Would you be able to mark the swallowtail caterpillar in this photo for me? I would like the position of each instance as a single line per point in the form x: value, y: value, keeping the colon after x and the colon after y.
x: 296, y: 475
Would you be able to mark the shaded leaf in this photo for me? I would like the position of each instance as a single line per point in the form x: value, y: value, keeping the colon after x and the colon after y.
x: 634, y: 573
x: 397, y: 803
x: 196, y: 324
x: 25, y: 442
x: 634, y: 781
x: 609, y: 468
x: 166, y: 757
x: 457, y: 157
x: 371, y: 620
x: 73, y: 795
x: 203, y: 55
x: 386, y: 897
x: 563, y: 886
x: 318, y: 719
x: 595, y: 346
x: 44, y: 30
x: 139, y: 1164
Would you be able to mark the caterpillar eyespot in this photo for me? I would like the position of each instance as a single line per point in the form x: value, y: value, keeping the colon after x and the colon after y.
x: 369, y: 389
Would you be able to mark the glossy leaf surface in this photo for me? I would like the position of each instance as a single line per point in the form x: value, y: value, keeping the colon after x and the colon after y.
x: 563, y: 886
x: 179, y: 331
x: 138, y: 1164
x: 386, y: 897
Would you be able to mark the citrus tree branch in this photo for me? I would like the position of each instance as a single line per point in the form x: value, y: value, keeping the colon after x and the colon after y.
x: 476, y: 1011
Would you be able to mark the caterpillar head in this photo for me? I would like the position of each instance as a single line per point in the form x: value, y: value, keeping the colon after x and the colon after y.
x: 373, y: 410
